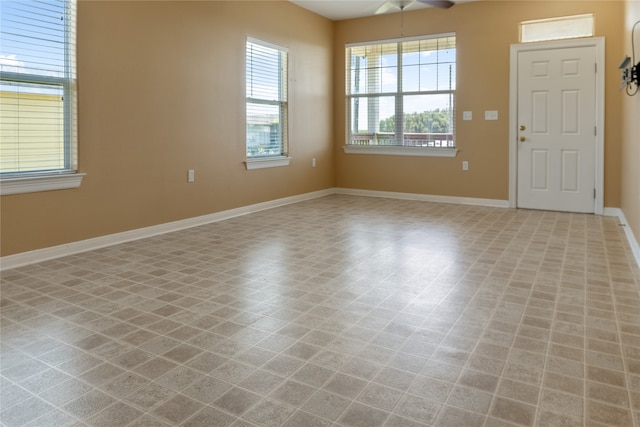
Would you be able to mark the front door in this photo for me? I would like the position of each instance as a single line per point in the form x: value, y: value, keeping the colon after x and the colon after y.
x: 556, y: 119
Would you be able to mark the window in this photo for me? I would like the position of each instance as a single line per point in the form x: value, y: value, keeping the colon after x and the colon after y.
x: 37, y: 96
x: 565, y: 27
x: 401, y: 93
x: 266, y: 91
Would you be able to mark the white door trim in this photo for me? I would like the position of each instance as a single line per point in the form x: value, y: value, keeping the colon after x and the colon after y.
x: 598, y: 43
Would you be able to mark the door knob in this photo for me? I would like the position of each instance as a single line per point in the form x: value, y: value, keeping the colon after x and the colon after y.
x: 523, y: 139
x: 522, y: 127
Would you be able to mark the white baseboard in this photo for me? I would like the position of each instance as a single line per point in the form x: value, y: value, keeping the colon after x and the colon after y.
x: 425, y: 197
x: 635, y: 247
x: 46, y: 254
x: 39, y: 255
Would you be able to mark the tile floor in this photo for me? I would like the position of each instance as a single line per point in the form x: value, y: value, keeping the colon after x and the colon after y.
x: 340, y: 311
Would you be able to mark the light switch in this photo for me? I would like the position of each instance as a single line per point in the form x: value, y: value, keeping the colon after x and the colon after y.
x: 467, y: 115
x: 491, y: 115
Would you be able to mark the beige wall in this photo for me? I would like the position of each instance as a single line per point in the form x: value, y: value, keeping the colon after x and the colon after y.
x: 630, y: 199
x: 160, y: 92
x: 484, y: 31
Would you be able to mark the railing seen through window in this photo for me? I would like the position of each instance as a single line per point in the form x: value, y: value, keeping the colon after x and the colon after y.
x: 402, y: 92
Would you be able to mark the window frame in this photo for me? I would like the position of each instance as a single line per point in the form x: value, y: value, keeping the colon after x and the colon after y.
x: 66, y: 177
x: 557, y: 28
x: 269, y: 160
x: 398, y: 150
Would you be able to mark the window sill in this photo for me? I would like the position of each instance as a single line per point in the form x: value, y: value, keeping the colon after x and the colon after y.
x: 391, y: 150
x: 38, y: 183
x: 267, y: 162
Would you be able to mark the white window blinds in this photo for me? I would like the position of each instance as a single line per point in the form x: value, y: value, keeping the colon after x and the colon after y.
x: 266, y: 92
x: 37, y: 87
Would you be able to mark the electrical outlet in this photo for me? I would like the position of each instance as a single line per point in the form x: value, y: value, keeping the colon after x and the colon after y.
x: 467, y: 115
x: 191, y: 175
x: 465, y: 165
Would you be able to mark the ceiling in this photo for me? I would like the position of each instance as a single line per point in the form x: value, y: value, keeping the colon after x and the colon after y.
x: 337, y: 10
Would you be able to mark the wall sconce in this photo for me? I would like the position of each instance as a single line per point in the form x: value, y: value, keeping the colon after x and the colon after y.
x: 630, y: 71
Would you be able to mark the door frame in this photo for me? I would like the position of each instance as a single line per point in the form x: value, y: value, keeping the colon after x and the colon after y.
x: 515, y: 49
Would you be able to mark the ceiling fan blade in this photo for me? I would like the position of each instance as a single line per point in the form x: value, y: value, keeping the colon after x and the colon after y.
x: 386, y: 6
x: 444, y: 4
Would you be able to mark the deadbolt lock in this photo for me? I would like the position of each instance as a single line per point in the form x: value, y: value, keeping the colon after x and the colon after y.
x: 522, y: 127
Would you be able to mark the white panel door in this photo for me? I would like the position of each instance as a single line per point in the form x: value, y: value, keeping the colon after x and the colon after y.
x: 556, y: 129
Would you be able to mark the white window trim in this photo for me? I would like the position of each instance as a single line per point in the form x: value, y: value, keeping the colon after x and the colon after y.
x: 267, y: 162
x: 398, y: 150
x: 283, y: 159
x: 558, y: 28
x: 34, y: 184
x: 57, y: 179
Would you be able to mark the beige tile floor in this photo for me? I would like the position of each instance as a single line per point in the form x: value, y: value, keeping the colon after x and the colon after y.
x: 340, y: 311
